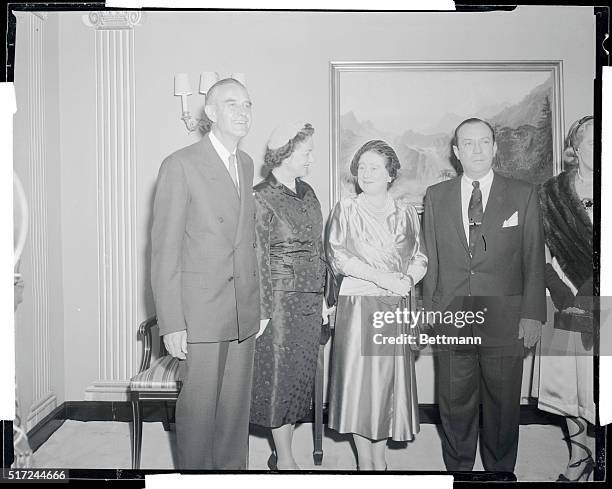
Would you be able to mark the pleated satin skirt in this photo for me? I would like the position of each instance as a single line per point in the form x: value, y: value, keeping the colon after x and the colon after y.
x: 373, y: 395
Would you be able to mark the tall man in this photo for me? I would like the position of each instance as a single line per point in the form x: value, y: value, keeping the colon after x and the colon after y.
x: 485, y: 246
x: 205, y: 282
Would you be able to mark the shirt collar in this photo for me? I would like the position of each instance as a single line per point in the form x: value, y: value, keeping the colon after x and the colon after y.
x: 220, y: 148
x: 484, y: 181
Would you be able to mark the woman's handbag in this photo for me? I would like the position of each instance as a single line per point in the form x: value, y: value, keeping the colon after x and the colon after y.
x: 579, y: 322
x: 579, y: 316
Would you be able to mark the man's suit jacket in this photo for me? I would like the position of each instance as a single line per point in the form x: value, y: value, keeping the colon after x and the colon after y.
x: 203, y: 262
x: 506, y: 270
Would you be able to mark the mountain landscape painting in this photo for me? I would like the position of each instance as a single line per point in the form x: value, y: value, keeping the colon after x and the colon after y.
x: 416, y: 112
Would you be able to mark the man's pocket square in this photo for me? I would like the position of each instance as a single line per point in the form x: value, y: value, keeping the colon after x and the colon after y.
x: 511, y: 221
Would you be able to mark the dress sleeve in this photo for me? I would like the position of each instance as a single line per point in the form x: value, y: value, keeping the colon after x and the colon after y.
x: 418, y: 264
x: 337, y: 254
x: 263, y: 224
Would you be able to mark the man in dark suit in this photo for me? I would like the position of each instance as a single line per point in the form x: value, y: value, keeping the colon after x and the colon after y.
x: 485, y: 247
x: 205, y: 282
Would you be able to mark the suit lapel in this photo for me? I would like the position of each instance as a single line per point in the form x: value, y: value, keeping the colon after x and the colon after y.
x: 245, y: 189
x: 495, y: 205
x: 216, y: 171
x: 492, y: 217
x: 223, y: 200
x: 455, y: 206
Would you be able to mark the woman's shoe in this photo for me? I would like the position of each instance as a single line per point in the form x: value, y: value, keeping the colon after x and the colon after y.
x: 589, y: 463
x: 589, y: 466
x: 272, y: 462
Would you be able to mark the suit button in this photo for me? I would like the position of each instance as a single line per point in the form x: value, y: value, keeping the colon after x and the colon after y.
x: 230, y: 279
x: 472, y: 272
x: 254, y: 245
x: 220, y: 219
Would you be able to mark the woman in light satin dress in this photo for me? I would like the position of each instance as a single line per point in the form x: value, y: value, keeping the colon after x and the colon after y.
x: 375, y: 242
x: 565, y: 383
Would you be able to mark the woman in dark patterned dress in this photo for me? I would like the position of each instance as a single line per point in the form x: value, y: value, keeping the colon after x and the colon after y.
x: 289, y: 228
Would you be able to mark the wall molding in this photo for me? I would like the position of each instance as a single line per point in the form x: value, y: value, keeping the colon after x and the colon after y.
x: 113, y: 19
x: 40, y: 410
x: 116, y: 198
x: 43, y: 399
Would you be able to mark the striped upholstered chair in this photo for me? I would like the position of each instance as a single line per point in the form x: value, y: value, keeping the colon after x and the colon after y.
x: 156, y: 382
x: 159, y: 382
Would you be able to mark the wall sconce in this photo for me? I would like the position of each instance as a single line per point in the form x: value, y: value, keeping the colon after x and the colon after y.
x: 182, y: 89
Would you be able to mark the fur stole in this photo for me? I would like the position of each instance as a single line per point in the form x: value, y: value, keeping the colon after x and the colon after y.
x: 567, y: 227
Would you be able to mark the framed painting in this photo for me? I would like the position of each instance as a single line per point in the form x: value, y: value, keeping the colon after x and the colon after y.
x: 415, y: 107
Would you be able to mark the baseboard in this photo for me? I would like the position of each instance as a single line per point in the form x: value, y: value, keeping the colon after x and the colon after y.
x: 152, y: 411
x: 155, y: 411
x: 41, y: 432
x: 40, y: 410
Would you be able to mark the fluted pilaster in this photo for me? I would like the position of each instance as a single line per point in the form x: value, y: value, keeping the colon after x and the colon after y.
x: 116, y: 193
x: 44, y: 400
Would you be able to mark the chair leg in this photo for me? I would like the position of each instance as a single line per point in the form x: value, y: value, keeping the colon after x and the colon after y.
x: 317, y: 453
x: 136, y: 434
x: 166, y: 421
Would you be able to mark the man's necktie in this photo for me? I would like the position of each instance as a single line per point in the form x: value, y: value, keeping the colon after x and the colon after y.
x: 475, y: 213
x: 232, y: 172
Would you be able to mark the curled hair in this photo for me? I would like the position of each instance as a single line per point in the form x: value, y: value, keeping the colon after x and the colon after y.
x: 381, y: 148
x: 574, y: 138
x: 275, y: 157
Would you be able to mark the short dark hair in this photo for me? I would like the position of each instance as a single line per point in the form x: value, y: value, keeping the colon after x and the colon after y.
x: 275, y: 157
x: 472, y: 120
x: 381, y: 148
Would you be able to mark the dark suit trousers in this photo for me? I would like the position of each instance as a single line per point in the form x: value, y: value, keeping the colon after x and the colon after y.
x: 469, y: 375
x: 212, y: 410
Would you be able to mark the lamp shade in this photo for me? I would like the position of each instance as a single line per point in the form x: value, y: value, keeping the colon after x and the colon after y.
x: 207, y: 80
x: 239, y: 77
x: 181, y: 84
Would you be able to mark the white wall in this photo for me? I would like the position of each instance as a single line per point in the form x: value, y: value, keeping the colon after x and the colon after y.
x: 79, y: 200
x: 285, y: 57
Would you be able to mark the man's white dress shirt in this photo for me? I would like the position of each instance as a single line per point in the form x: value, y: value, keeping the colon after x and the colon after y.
x: 466, y: 195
